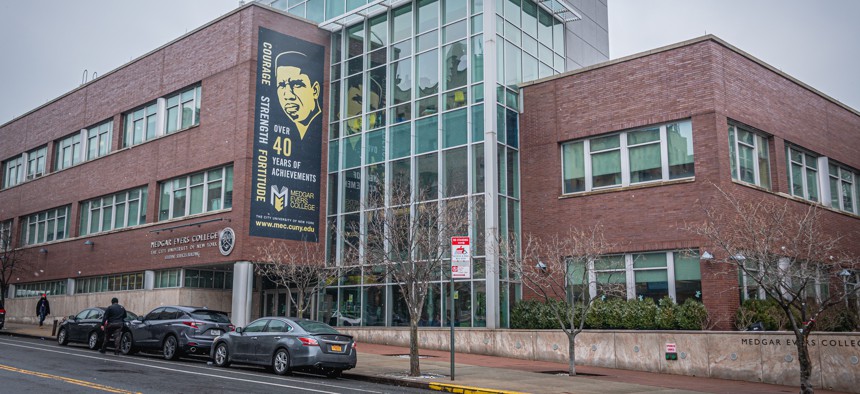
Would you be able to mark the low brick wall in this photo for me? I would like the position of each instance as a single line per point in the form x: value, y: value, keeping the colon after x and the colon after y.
x: 769, y: 357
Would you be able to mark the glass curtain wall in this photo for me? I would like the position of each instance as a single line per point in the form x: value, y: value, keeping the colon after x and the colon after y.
x: 408, y: 103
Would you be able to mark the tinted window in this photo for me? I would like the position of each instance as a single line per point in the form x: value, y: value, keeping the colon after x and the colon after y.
x: 256, y: 326
x: 96, y: 314
x: 276, y: 325
x: 171, y: 314
x: 131, y: 316
x: 315, y: 327
x: 213, y: 316
x: 155, y: 314
x: 83, y: 315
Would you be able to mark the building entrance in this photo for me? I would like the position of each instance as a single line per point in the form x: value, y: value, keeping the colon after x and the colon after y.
x: 277, y: 302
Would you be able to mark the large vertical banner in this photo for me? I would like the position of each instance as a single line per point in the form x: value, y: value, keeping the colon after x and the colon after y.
x: 288, y: 136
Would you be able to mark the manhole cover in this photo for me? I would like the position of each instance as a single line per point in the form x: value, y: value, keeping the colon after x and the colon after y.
x: 564, y: 373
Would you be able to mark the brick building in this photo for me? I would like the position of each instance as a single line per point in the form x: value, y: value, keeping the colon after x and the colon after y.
x: 635, y: 143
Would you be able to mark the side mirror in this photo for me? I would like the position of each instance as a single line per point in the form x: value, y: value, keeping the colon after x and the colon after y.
x: 72, y: 317
x: 239, y: 330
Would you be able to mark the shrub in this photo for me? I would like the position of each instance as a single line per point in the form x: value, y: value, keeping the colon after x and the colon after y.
x: 639, y: 315
x: 765, y: 311
x: 536, y: 315
x: 667, y: 314
x: 692, y: 315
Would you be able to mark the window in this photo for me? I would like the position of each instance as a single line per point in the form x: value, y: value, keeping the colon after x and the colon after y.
x: 55, y: 287
x: 167, y: 278
x: 651, y: 154
x: 119, y: 282
x: 842, y: 193
x: 183, y: 110
x: 46, y: 226
x: 13, y: 171
x: 802, y: 173
x: 6, y: 235
x: 166, y: 115
x: 115, y: 211
x: 205, y: 279
x: 749, y: 156
x: 654, y: 275
x: 99, y: 140
x: 794, y: 278
x: 68, y: 152
x: 36, y: 162
x: 197, y: 193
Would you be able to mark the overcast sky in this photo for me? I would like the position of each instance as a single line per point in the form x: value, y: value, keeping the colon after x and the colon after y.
x: 46, y: 45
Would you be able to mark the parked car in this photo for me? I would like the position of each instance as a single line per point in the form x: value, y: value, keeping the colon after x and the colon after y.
x: 287, y: 344
x: 175, y: 331
x: 85, y: 327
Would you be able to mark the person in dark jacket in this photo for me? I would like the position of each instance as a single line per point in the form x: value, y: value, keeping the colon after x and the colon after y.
x: 111, y: 322
x: 43, y: 308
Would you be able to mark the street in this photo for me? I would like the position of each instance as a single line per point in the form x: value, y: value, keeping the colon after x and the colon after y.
x: 32, y: 365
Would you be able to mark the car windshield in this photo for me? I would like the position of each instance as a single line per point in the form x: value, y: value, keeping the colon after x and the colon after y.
x: 213, y: 316
x: 315, y: 327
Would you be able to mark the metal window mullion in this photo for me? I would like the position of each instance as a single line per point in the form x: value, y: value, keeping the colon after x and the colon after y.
x: 664, y: 153
x: 625, y: 159
x: 586, y: 161
x: 592, y: 279
x: 629, y: 276
x: 670, y: 275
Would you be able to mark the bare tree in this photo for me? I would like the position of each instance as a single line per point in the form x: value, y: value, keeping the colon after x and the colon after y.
x: 408, y: 237
x: 560, y: 270
x: 785, y: 253
x: 12, y: 261
x: 295, y: 267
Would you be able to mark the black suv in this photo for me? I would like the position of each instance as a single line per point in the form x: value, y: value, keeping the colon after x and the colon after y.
x: 175, y: 331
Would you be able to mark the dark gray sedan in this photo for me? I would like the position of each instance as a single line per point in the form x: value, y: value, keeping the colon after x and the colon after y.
x: 287, y: 344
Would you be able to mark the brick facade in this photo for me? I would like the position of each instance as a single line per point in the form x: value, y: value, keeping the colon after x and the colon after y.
x: 220, y: 56
x: 705, y: 80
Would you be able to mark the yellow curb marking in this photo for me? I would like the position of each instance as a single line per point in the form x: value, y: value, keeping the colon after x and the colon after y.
x: 453, y: 388
x: 68, y: 380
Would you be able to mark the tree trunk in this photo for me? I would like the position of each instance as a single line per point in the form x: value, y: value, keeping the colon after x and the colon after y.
x: 414, y: 369
x: 805, y: 364
x: 571, y: 351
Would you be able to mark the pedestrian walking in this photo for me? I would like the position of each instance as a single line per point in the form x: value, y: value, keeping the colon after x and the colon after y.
x: 113, y: 320
x: 43, y: 308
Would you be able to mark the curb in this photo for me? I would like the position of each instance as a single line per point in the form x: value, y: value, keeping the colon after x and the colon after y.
x: 387, y: 381
x: 455, y: 388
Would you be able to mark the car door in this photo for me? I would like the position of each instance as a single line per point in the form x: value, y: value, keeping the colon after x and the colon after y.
x: 268, y: 341
x: 245, y: 343
x: 93, y: 321
x: 142, y: 331
x: 75, y: 331
x: 161, y: 327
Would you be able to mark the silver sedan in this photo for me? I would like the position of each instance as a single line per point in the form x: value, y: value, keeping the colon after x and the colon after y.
x: 287, y: 344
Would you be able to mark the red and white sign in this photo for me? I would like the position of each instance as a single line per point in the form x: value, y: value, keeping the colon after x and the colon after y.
x: 461, y: 258
x: 670, y: 348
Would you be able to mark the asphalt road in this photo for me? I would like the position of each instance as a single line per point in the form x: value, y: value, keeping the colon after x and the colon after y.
x: 39, y: 366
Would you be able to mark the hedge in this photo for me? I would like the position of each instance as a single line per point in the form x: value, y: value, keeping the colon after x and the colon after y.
x: 643, y: 314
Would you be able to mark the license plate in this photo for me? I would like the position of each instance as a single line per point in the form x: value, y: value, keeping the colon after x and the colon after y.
x: 336, y: 348
x: 215, y: 332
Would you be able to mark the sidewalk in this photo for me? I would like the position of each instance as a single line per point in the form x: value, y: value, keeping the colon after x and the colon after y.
x: 487, y: 374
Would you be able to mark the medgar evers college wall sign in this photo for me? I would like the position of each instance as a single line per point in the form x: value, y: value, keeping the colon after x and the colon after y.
x: 288, y: 130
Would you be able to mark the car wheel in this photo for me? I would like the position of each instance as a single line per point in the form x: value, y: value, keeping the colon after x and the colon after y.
x: 93, y: 340
x: 169, y: 348
x: 63, y: 337
x: 126, y: 344
x: 222, y: 358
x: 333, y: 373
x: 281, y: 362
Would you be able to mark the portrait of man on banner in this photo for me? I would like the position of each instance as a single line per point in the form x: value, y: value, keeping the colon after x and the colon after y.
x: 298, y: 90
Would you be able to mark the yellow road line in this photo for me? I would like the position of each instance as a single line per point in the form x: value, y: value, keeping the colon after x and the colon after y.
x: 458, y: 389
x: 67, y: 380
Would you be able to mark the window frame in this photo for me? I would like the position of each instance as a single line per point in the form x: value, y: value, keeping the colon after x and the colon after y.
x: 170, y: 188
x: 13, y: 171
x: 760, y: 143
x: 806, y: 157
x: 586, y: 159
x: 33, y: 224
x: 160, y: 110
x: 839, y: 178
x: 37, y: 162
x: 68, y: 151
x: 98, y: 136
x: 124, y: 198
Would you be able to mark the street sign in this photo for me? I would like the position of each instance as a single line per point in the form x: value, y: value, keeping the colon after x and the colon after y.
x: 670, y: 348
x: 461, y: 261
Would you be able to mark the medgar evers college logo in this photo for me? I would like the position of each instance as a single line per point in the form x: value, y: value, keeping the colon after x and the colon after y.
x: 226, y: 241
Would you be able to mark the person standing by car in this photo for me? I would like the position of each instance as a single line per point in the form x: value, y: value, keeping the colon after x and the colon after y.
x: 43, y: 308
x: 111, y: 322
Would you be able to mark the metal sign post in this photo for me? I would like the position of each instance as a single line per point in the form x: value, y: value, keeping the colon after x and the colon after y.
x: 461, y: 268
